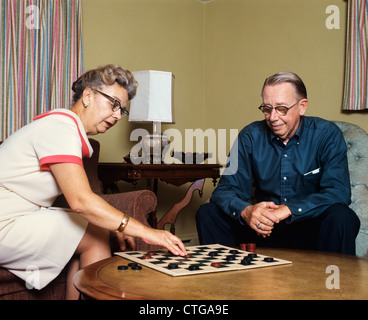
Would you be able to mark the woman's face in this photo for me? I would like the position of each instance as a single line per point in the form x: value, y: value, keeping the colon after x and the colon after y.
x: 99, y: 116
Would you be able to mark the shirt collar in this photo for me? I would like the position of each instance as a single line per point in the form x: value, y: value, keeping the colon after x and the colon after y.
x: 296, y: 135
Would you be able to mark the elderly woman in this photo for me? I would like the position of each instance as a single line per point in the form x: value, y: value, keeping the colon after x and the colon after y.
x: 44, y: 159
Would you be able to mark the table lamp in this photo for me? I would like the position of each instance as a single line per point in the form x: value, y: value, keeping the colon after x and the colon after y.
x: 153, y: 103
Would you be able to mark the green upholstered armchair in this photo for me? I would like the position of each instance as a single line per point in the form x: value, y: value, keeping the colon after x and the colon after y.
x: 357, y: 142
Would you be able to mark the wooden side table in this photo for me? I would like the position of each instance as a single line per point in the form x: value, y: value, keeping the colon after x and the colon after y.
x: 175, y: 174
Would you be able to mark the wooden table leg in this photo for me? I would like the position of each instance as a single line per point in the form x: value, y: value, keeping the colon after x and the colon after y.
x: 171, y: 215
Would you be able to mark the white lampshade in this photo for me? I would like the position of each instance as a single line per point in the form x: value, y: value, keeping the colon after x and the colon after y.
x: 154, y: 99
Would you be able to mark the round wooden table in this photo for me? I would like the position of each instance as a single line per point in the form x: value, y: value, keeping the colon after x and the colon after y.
x: 312, y: 275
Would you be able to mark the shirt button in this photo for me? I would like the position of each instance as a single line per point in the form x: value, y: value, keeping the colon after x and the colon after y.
x: 285, y: 178
x: 234, y: 214
x: 285, y: 199
x: 300, y: 210
x: 285, y: 155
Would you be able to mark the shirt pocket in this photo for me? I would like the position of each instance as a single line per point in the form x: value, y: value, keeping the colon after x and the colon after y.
x: 310, y: 181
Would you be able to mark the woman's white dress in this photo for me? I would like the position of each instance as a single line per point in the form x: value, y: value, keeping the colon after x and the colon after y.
x: 36, y: 240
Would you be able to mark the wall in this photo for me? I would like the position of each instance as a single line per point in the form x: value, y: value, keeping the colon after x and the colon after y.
x: 147, y: 34
x: 220, y: 53
x: 246, y: 41
x: 150, y: 34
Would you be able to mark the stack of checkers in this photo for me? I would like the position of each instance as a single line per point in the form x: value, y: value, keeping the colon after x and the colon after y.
x: 250, y: 247
x: 132, y: 265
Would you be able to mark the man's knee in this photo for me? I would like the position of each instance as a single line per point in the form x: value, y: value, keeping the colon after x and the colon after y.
x: 341, y: 216
x: 339, y: 228
x: 206, y: 212
x: 214, y: 226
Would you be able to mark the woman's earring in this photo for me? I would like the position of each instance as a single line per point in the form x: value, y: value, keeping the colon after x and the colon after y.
x: 86, y: 104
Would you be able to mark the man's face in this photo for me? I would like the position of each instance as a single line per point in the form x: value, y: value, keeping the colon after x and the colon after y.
x: 283, y: 94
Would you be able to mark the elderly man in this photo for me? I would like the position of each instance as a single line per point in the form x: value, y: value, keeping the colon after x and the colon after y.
x: 297, y: 167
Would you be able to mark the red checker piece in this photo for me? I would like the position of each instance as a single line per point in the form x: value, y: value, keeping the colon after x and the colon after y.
x: 216, y: 264
x: 251, y: 247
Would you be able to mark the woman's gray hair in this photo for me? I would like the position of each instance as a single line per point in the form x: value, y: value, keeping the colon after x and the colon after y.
x: 290, y: 77
x: 105, y: 76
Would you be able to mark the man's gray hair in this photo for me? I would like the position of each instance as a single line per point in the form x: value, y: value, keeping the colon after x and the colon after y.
x: 290, y: 77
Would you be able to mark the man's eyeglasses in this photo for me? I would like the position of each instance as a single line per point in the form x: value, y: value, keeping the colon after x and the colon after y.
x: 116, y: 105
x: 281, y: 110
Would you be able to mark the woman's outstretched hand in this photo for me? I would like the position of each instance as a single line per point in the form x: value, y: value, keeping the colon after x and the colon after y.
x: 165, y: 239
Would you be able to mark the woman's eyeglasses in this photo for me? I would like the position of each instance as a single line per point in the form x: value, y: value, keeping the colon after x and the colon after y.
x: 116, y: 105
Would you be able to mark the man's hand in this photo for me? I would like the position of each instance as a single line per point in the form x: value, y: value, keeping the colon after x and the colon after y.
x: 262, y: 216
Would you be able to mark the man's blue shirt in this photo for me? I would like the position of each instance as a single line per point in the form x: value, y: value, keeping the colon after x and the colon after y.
x: 308, y: 174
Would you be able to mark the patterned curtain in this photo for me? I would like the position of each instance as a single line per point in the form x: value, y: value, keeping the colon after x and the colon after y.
x: 41, y: 56
x: 356, y: 72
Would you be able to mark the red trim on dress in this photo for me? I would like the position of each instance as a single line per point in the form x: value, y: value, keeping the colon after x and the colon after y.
x: 85, y: 149
x: 46, y: 161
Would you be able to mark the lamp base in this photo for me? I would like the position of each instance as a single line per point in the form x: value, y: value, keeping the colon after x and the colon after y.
x: 152, y: 148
